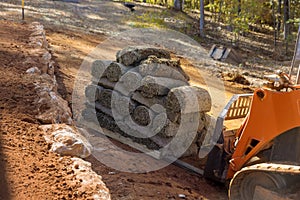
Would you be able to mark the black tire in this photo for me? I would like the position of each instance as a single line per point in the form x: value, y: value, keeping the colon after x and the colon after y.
x: 242, y: 186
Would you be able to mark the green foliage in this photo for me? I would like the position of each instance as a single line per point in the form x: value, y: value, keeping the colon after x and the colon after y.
x: 294, y: 21
x: 236, y: 14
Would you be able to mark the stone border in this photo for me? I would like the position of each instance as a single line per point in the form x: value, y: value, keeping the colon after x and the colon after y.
x: 54, y: 112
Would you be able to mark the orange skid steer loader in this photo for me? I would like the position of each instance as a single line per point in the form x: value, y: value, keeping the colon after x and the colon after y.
x: 262, y: 158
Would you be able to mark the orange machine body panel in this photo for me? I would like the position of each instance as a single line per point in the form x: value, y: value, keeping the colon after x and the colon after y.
x: 271, y: 114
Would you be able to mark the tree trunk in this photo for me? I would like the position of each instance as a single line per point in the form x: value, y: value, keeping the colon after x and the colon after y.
x: 212, y: 9
x: 202, y: 18
x: 274, y: 24
x: 279, y: 17
x: 286, y: 15
x: 239, y: 7
x: 220, y: 10
x: 178, y: 5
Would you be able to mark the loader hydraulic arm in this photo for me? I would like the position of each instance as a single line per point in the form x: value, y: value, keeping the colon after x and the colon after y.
x: 271, y: 114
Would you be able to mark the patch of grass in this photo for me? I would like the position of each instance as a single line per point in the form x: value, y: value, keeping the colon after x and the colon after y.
x: 149, y: 20
x: 165, y: 19
x: 156, y: 19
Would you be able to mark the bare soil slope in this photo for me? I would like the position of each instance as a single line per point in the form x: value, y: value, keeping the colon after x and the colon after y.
x: 28, y: 169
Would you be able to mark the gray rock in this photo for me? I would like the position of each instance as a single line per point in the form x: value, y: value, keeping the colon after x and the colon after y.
x: 173, y: 116
x: 160, y: 141
x: 169, y: 130
x: 107, y: 121
x: 115, y: 86
x: 180, y: 145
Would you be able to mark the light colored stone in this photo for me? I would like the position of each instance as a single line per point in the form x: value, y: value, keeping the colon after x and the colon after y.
x: 57, y: 109
x: 37, y: 38
x: 44, y: 58
x: 51, y: 107
x: 33, y: 70
x: 89, y: 180
x: 66, y: 140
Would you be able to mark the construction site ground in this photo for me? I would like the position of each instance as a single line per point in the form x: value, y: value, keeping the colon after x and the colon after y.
x: 28, y: 169
x: 23, y: 148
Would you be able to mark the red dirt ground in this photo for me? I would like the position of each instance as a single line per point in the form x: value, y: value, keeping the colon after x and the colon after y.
x: 28, y: 169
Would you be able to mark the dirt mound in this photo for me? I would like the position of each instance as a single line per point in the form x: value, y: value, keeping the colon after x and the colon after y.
x: 28, y: 169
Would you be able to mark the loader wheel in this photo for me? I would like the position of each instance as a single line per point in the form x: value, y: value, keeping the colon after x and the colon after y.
x: 242, y: 186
